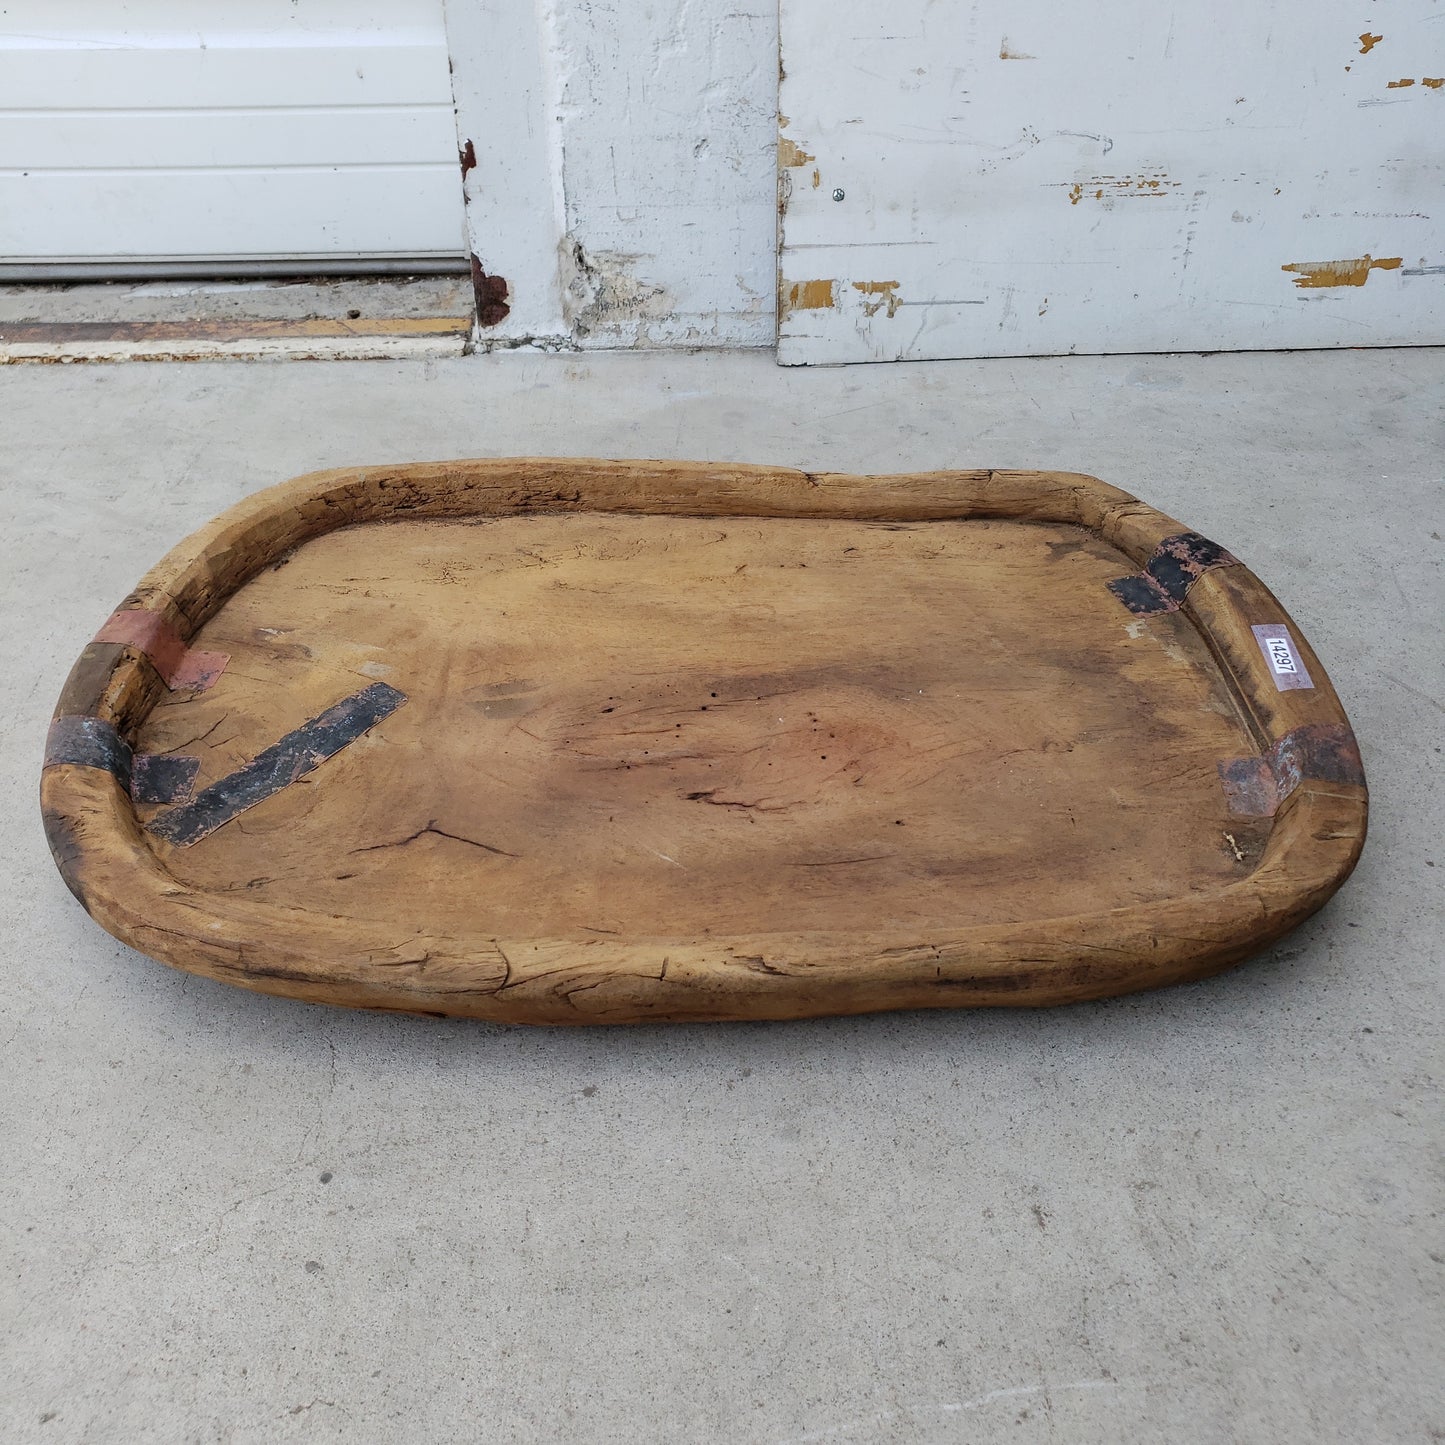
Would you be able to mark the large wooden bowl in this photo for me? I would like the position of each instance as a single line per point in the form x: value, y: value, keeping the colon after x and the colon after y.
x: 597, y: 742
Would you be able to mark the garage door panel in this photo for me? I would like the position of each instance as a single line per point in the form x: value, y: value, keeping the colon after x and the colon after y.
x: 129, y: 22
x: 104, y: 140
x: 315, y: 212
x: 214, y: 78
x: 241, y: 129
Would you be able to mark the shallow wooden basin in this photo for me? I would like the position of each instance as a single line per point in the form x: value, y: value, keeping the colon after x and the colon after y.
x: 587, y: 741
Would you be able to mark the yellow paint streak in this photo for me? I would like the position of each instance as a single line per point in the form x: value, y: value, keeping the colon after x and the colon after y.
x: 1114, y: 186
x: 1433, y: 81
x: 1368, y: 42
x: 877, y: 295
x: 1352, y: 272
x: 809, y: 296
x: 817, y: 178
x: 1398, y: 84
x: 790, y: 154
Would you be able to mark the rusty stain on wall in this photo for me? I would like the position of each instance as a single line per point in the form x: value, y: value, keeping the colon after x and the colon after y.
x: 790, y: 154
x: 1007, y: 52
x: 1352, y: 272
x: 1368, y: 42
x: 468, y: 157
x: 807, y: 296
x: 877, y: 295
x: 491, y: 293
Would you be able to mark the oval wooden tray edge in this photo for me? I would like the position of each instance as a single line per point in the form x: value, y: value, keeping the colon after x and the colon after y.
x: 1317, y: 834
x: 570, y: 981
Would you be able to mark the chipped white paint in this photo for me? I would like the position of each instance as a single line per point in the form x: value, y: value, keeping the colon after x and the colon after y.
x: 306, y: 131
x: 1109, y: 177
x: 624, y: 179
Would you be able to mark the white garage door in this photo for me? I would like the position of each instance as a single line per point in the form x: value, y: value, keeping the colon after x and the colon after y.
x: 175, y: 135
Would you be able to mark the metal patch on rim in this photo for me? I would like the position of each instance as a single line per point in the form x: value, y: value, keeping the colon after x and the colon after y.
x: 1177, y: 564
x: 87, y: 742
x: 181, y: 668
x: 1316, y: 752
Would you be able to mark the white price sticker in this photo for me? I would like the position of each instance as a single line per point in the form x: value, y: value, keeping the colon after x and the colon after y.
x: 1286, y: 666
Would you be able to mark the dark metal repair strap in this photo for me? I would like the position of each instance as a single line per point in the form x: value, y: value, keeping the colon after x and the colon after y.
x: 1177, y: 564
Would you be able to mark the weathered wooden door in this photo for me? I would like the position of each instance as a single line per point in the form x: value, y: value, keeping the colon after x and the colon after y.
x: 1029, y: 177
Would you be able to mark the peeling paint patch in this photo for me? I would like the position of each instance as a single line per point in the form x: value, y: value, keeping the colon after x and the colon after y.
x: 491, y: 293
x: 791, y: 154
x: 601, y: 293
x: 1111, y: 188
x: 1398, y: 84
x: 877, y: 295
x: 1354, y: 271
x: 1007, y: 52
x: 1368, y: 42
x: 1433, y: 81
x: 468, y: 158
x: 809, y: 296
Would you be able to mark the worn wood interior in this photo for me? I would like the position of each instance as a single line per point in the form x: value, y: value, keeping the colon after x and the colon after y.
x: 646, y: 726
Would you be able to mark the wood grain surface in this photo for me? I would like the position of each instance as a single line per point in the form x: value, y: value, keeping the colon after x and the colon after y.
x: 686, y: 741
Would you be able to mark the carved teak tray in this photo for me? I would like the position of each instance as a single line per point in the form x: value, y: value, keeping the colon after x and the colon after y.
x: 597, y: 742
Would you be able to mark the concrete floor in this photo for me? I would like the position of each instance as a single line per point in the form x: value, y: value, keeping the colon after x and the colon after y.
x: 1208, y: 1214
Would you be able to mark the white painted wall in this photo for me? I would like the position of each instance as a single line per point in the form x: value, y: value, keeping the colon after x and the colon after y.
x: 1020, y: 176
x: 625, y: 185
